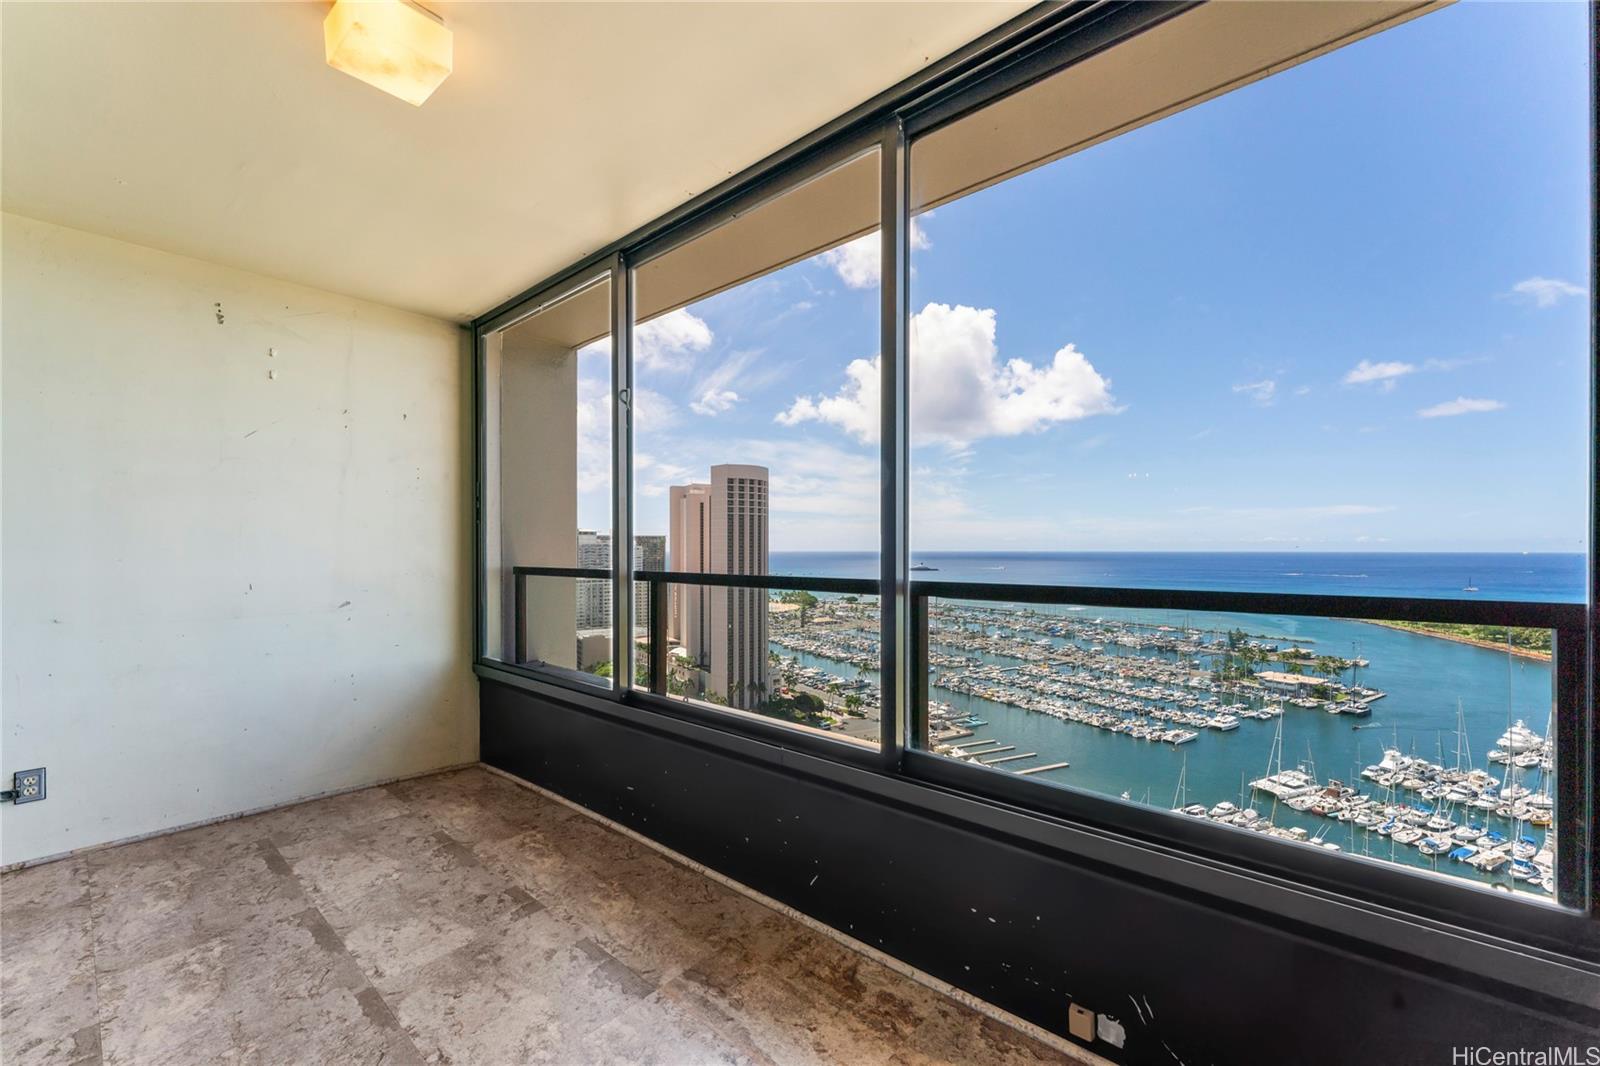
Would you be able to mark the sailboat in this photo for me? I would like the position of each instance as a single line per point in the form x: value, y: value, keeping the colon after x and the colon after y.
x: 1469, y: 586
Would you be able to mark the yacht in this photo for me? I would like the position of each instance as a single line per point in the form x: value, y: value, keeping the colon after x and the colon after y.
x: 1518, y: 739
x: 1285, y: 785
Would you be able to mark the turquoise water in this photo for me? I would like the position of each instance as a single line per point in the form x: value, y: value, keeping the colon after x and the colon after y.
x: 1425, y: 677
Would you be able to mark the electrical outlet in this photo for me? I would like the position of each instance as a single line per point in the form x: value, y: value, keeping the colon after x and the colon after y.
x: 28, y: 785
x: 1080, y: 1022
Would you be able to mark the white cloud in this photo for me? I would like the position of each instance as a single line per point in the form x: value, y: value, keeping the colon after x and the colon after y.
x: 961, y: 392
x: 1545, y: 292
x: 859, y: 263
x: 668, y: 342
x: 716, y: 390
x: 714, y: 401
x: 1262, y: 392
x: 594, y: 435
x: 1459, y: 406
x: 1384, y: 375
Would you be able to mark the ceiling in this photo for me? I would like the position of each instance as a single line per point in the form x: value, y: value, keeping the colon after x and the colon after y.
x: 216, y: 130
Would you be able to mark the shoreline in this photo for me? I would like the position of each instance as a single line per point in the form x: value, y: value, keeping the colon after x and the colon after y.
x: 1487, y: 645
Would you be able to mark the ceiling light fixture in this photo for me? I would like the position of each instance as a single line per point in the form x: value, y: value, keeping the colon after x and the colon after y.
x: 394, y: 45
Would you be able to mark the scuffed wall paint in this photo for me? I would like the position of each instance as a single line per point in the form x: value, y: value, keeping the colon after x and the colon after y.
x: 234, y: 540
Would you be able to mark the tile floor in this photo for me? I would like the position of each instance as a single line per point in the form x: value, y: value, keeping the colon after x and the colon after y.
x: 457, y: 918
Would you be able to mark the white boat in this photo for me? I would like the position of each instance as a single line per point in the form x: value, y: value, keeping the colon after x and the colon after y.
x: 1519, y: 738
x: 1285, y: 785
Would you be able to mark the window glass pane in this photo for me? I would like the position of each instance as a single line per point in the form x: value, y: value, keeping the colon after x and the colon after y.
x: 547, y: 486
x: 1325, y: 332
x: 739, y: 473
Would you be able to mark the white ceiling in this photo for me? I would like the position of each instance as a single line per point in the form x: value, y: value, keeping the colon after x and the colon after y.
x: 216, y: 130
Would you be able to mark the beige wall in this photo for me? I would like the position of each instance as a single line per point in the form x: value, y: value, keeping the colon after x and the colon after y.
x: 533, y: 480
x: 221, y: 590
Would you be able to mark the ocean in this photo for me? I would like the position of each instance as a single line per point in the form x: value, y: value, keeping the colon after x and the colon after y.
x: 1425, y: 677
x: 1503, y: 576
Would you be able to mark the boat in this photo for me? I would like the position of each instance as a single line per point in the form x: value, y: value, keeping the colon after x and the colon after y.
x: 1469, y: 586
x: 921, y: 567
x: 1518, y: 739
x: 1462, y: 854
x: 1433, y: 846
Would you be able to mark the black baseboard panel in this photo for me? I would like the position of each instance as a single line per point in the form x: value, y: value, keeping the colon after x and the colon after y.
x: 1191, y: 980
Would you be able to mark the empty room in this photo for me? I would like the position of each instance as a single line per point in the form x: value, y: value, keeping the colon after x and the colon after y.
x: 786, y: 533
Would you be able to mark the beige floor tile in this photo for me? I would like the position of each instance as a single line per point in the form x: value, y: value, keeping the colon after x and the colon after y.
x: 139, y: 920
x: 269, y: 990
x: 48, y: 1008
x: 535, y: 995
x: 454, y: 919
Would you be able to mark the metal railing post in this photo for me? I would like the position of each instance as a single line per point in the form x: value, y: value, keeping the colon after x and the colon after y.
x: 1577, y: 879
x: 918, y: 694
x: 658, y: 636
x: 519, y: 613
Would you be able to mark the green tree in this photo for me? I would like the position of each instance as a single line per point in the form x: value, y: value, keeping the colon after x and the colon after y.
x: 802, y: 599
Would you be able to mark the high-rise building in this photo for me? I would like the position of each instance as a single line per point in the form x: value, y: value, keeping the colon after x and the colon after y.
x: 649, y: 553
x: 721, y: 528
x: 594, y: 596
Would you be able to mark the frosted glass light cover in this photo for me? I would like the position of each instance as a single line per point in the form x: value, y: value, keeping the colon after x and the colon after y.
x: 393, y: 45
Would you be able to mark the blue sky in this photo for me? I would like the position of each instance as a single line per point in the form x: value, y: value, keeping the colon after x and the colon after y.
x: 1344, y: 308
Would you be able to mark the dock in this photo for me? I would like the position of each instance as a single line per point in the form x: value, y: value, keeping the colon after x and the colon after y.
x: 1042, y: 769
x: 991, y: 751
x: 1008, y: 758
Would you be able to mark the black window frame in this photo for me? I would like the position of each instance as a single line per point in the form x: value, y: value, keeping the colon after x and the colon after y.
x: 1552, y: 948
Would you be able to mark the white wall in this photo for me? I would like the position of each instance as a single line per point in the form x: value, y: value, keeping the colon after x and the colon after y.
x: 220, y: 590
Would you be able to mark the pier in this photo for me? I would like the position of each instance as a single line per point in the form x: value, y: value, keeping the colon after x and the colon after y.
x: 1008, y: 758
x: 1042, y: 769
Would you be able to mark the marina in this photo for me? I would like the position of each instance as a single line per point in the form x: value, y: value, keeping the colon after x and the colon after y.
x: 1138, y: 704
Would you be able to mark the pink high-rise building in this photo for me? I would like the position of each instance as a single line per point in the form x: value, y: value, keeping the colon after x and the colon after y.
x: 721, y: 528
